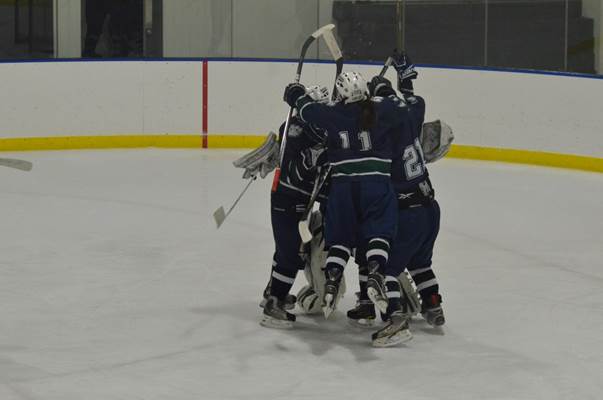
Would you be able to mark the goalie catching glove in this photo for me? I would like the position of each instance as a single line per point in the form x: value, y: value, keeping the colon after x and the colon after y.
x: 436, y: 138
x: 262, y: 160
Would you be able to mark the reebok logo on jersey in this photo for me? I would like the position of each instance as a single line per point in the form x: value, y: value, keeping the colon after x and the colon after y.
x: 405, y: 196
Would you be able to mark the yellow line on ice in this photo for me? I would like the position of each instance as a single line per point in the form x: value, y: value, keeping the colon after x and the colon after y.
x: 558, y: 160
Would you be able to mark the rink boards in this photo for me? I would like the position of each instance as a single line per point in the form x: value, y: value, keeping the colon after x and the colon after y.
x: 514, y: 116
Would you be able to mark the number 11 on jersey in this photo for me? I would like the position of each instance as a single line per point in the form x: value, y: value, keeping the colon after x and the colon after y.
x: 363, y: 136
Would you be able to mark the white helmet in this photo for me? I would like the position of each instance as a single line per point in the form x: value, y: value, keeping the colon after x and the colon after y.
x: 318, y: 93
x: 351, y: 87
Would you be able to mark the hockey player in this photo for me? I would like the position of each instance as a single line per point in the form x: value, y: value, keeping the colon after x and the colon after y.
x: 418, y: 219
x: 290, y: 193
x: 361, y: 207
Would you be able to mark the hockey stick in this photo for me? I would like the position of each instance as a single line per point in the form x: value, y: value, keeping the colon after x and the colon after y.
x: 220, y: 215
x: 17, y: 164
x: 326, y: 32
x: 387, y: 64
x: 337, y: 56
x: 303, y: 225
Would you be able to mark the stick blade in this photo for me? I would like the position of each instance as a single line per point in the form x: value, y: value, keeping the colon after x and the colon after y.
x: 17, y: 164
x: 219, y: 216
x: 304, y: 231
x: 320, y: 31
x: 332, y: 45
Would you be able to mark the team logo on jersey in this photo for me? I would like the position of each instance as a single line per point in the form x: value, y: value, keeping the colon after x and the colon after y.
x: 295, y: 130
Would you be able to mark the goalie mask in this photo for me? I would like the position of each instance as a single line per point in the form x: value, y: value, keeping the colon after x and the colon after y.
x: 351, y: 87
x: 319, y: 94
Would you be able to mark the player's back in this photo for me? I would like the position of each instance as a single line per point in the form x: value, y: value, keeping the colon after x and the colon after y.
x: 408, y: 164
x: 360, y: 136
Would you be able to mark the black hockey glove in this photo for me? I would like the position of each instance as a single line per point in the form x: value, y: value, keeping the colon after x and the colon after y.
x: 404, y: 66
x: 380, y: 86
x: 405, y: 86
x: 293, y: 91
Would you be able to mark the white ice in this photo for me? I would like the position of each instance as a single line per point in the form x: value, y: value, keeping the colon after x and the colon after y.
x: 115, y: 284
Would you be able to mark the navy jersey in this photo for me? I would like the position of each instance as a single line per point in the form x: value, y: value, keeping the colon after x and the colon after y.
x: 298, y: 170
x: 409, y: 171
x: 355, y: 153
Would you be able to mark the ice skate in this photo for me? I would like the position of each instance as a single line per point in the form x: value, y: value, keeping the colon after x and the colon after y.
x: 363, y: 315
x: 376, y: 291
x: 410, y: 292
x: 329, y: 303
x: 432, y: 310
x: 275, y: 315
x: 395, y: 332
x: 289, y: 303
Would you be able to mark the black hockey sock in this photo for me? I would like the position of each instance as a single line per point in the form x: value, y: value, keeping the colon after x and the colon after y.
x: 337, y: 258
x: 362, y: 278
x: 394, y: 294
x: 281, y: 283
x: 267, y: 290
x: 425, y: 280
x: 377, y: 252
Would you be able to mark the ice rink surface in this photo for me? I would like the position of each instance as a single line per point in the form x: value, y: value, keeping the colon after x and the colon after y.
x: 115, y: 284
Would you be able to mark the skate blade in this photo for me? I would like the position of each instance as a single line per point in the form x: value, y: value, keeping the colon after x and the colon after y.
x: 287, y: 306
x: 436, y: 322
x: 362, y: 323
x: 327, y: 311
x: 269, y: 322
x: 329, y: 306
x: 393, y: 340
x: 376, y: 298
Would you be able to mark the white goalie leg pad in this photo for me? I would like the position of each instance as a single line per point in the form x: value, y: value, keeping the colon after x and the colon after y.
x: 411, y: 293
x: 309, y: 301
x: 318, y: 259
x: 315, y: 269
x: 436, y: 138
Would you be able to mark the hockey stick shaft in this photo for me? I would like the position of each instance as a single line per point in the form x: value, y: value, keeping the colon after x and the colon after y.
x: 303, y: 225
x: 325, y: 31
x: 220, y: 216
x: 387, y: 64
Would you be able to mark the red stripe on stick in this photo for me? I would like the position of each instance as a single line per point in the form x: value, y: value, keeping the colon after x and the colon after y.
x: 205, y: 97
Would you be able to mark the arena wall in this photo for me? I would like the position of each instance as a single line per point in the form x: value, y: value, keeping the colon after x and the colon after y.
x: 518, y: 116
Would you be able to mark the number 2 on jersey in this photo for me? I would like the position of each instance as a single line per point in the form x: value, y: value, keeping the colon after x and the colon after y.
x: 413, y: 160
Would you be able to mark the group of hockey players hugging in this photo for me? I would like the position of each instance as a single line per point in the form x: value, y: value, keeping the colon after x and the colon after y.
x: 377, y: 204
